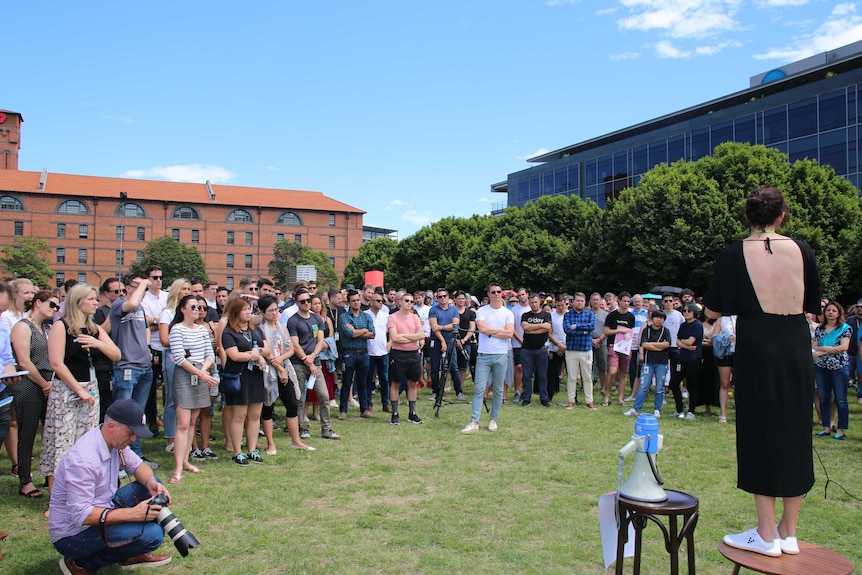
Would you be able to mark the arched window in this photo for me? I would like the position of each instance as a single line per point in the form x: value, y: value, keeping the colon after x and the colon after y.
x: 73, y: 207
x: 131, y: 210
x: 240, y: 216
x: 289, y: 219
x: 186, y: 213
x: 11, y: 204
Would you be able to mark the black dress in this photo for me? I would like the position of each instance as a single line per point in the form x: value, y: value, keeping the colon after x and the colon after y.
x: 251, y: 380
x: 773, y: 375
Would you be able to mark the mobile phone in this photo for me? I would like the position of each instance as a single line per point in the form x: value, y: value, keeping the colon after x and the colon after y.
x: 14, y: 374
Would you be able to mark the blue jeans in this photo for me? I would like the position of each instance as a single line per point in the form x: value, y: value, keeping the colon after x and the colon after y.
x: 534, y: 361
x: 138, y: 388
x: 90, y: 551
x: 169, y: 416
x: 490, y: 370
x: 355, y: 372
x: 831, y: 381
x: 436, y: 355
x: 378, y: 364
x: 650, y: 370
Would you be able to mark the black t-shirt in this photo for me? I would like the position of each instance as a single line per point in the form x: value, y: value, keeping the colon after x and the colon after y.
x: 615, y: 319
x: 464, y: 325
x: 244, y: 341
x: 535, y: 340
x: 651, y: 335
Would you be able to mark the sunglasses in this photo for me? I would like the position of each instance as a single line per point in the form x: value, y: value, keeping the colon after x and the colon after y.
x: 278, y: 293
x: 53, y: 305
x: 378, y: 301
x: 442, y: 296
x: 406, y: 300
x: 117, y: 291
x: 196, y: 307
x: 155, y: 278
x: 253, y: 289
x: 302, y: 301
x: 497, y: 291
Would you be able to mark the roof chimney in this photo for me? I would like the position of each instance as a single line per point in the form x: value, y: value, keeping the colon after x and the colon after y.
x: 10, y: 139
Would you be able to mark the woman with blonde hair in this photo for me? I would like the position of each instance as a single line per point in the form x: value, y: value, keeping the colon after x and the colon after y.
x: 22, y: 292
x: 73, y: 402
x: 178, y: 290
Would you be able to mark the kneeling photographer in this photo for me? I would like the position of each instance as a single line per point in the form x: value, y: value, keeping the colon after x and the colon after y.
x: 91, y: 522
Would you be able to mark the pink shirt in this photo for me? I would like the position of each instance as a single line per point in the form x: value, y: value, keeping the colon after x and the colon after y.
x: 405, y: 323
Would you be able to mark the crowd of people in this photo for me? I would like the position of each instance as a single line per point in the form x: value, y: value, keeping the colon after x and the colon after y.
x: 85, y: 349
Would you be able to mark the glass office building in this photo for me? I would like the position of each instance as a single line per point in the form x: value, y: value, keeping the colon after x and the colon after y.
x: 807, y: 109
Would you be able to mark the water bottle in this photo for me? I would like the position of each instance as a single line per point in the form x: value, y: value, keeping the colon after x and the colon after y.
x: 217, y: 377
x: 251, y: 364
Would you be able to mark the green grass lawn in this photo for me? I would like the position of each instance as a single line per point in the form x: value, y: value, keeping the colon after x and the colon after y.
x: 425, y: 499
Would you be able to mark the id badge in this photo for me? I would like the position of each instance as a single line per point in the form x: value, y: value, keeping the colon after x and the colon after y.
x: 194, y: 380
x: 92, y: 373
x: 678, y: 367
x: 127, y: 375
x: 646, y: 370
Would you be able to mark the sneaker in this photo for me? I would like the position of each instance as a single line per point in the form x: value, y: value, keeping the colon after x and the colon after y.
x: 261, y: 434
x: 472, y: 427
x: 14, y: 471
x: 629, y: 398
x: 492, y: 425
x: 240, y: 459
x: 395, y: 419
x: 788, y: 545
x: 153, y: 465
x: 413, y: 418
x: 517, y: 397
x: 69, y: 567
x: 685, y: 394
x: 839, y: 436
x: 460, y: 397
x: 198, y: 455
x: 722, y: 419
x: 679, y: 415
x: 525, y: 403
x: 210, y: 454
x: 546, y: 403
x: 169, y: 448
x: 332, y: 403
x: 353, y: 402
x: 329, y: 434
x: 254, y: 456
x: 304, y: 434
x: 751, y: 541
x: 631, y: 412
x: 689, y: 416
x: 657, y: 414
x: 145, y: 560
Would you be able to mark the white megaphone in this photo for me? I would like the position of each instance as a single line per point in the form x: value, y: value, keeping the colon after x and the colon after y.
x: 644, y: 482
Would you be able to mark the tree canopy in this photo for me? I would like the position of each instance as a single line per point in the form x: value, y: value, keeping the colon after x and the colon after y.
x: 666, y: 230
x: 175, y: 259
x: 286, y: 254
x: 28, y: 258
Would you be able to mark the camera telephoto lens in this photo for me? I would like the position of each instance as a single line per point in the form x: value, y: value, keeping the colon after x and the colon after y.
x: 182, y: 537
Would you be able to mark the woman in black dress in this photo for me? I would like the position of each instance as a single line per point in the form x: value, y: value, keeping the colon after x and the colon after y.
x: 770, y: 281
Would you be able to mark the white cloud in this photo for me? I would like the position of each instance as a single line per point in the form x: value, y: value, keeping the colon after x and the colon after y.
x: 121, y: 119
x: 780, y: 3
x: 483, y: 200
x: 415, y: 217
x: 270, y: 168
x: 185, y: 173
x: 397, y: 203
x: 538, y: 152
x: 625, y: 56
x: 716, y: 48
x: 681, y: 18
x: 665, y: 49
x: 842, y: 27
x: 562, y: 2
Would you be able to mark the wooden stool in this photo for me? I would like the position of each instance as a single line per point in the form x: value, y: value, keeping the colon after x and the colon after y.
x: 811, y: 559
x: 638, y: 513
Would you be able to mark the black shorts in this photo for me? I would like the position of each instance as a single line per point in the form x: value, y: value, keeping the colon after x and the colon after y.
x: 726, y: 361
x: 516, y: 355
x: 404, y: 365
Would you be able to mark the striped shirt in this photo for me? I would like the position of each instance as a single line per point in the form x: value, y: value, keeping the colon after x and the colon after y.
x: 193, y: 344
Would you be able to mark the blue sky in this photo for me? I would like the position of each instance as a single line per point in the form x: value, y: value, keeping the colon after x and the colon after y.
x: 406, y: 110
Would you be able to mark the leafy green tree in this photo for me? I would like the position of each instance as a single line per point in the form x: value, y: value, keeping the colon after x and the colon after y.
x: 175, y: 259
x: 27, y: 258
x: 374, y: 255
x: 286, y: 254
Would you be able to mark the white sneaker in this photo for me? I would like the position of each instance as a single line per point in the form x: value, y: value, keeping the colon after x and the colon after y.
x: 169, y: 447
x: 685, y: 394
x: 679, y: 415
x: 473, y: 426
x: 353, y: 402
x: 629, y: 398
x: 789, y: 545
x: 492, y: 425
x: 722, y: 419
x: 631, y: 412
x: 333, y: 403
x: 751, y: 541
x: 689, y: 416
x: 657, y: 414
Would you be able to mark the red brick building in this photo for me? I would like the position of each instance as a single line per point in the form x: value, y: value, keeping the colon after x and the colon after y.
x: 97, y: 226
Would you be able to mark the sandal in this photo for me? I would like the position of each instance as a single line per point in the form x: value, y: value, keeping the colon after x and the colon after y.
x: 606, y: 403
x: 34, y: 493
x: 192, y: 469
x: 176, y: 478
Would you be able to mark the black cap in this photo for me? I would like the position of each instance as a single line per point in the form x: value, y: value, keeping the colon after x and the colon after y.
x: 130, y: 414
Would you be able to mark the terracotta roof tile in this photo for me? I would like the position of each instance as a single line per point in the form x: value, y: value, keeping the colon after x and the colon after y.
x: 177, y: 192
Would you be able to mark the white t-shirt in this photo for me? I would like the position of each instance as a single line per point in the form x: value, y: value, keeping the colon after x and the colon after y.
x: 557, y: 327
x: 517, y: 311
x: 497, y: 318
x: 672, y: 322
x: 423, y: 312
x: 377, y: 346
x: 153, y: 307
